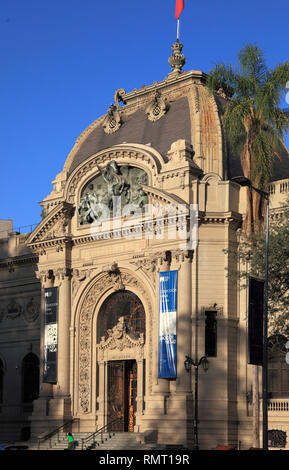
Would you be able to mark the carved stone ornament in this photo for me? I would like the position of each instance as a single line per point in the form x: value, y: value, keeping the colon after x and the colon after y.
x: 13, y: 310
x: 31, y: 311
x: 115, y: 277
x: 177, y: 59
x: 118, y: 338
x: 78, y: 277
x: 157, y: 108
x: 147, y: 265
x: 112, y: 120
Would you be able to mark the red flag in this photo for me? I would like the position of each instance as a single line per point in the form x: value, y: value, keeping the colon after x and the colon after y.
x: 179, y: 7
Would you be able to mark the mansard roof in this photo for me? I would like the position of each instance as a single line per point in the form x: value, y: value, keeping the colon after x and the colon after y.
x: 186, y: 111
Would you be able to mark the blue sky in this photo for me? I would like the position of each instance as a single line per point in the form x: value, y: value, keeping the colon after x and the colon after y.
x: 62, y: 60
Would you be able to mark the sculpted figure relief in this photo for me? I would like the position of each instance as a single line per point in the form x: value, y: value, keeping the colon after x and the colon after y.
x: 113, y: 181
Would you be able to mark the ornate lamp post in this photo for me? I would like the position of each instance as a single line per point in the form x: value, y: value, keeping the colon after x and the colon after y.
x: 205, y: 364
x: 243, y: 181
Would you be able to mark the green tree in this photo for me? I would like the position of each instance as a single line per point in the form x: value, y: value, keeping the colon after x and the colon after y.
x: 252, y: 253
x: 253, y: 120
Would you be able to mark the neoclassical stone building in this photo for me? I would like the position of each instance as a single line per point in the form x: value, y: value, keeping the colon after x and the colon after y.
x: 96, y: 345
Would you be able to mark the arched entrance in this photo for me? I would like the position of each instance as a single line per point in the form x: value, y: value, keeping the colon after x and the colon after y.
x: 121, y: 337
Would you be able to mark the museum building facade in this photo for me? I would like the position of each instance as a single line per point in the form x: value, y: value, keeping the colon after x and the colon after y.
x: 80, y: 320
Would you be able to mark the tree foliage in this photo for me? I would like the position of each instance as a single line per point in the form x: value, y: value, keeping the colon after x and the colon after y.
x: 253, y: 119
x: 252, y: 255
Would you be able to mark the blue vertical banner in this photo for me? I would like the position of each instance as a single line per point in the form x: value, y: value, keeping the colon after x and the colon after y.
x: 168, y: 294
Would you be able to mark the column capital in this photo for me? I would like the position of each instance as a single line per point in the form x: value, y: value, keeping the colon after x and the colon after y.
x: 183, y: 256
x: 45, y: 275
x: 163, y: 259
x: 62, y: 273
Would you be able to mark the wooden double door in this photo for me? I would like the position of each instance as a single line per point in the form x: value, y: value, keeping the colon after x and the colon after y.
x: 122, y: 389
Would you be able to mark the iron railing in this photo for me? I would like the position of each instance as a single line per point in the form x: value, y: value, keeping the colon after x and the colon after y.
x: 90, y: 441
x: 56, y: 432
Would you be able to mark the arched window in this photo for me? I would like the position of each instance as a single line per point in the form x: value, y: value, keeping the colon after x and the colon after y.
x: 121, y: 304
x: 278, y: 369
x: 1, y: 381
x: 30, y: 378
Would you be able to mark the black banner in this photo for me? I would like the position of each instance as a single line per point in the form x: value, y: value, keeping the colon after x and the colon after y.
x: 50, y: 335
x: 255, y: 321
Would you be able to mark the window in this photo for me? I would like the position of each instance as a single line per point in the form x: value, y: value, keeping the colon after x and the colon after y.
x: 211, y: 334
x: 278, y: 369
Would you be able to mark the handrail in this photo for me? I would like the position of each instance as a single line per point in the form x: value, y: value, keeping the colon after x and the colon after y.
x: 56, y: 431
x: 99, y: 431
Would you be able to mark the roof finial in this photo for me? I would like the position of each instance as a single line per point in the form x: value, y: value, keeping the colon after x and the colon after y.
x: 177, y: 59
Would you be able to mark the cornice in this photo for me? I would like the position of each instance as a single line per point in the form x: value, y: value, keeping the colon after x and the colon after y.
x: 53, y: 229
x: 18, y: 260
x: 220, y: 217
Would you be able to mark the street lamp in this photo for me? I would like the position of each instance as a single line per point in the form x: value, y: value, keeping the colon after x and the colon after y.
x: 243, y: 181
x: 205, y: 364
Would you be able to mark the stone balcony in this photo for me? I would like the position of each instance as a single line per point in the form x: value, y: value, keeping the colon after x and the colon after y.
x: 277, y: 406
x: 278, y: 422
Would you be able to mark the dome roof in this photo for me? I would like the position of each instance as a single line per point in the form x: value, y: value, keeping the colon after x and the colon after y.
x: 137, y: 128
x: 179, y: 107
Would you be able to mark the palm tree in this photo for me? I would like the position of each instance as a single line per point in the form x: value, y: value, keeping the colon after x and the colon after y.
x: 253, y: 120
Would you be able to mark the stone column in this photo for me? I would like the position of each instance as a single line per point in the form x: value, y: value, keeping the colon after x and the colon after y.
x: 159, y: 385
x: 183, y: 262
x: 102, y: 397
x: 139, y: 399
x: 180, y: 402
x: 155, y: 402
x: 64, y: 319
x: 47, y: 280
x: 41, y: 405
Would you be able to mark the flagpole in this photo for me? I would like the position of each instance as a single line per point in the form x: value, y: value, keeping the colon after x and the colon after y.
x: 178, y: 30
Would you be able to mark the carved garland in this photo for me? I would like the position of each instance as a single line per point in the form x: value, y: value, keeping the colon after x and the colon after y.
x: 85, y: 332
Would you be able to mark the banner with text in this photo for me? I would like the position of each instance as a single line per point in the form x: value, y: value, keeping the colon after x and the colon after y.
x: 50, y: 335
x: 168, y: 293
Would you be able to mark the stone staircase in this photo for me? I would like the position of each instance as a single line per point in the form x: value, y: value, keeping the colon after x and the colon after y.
x: 57, y: 442
x: 105, y: 441
x: 122, y: 440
